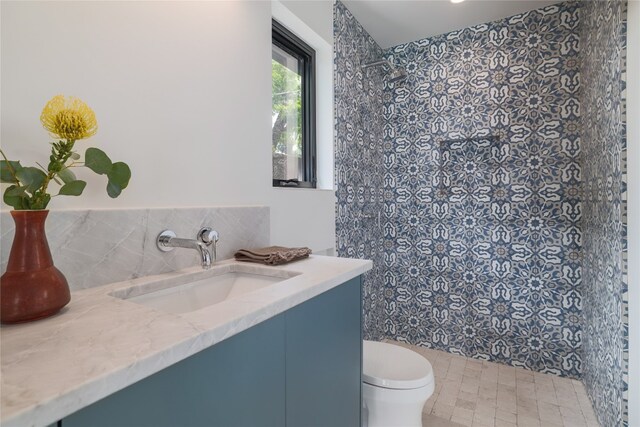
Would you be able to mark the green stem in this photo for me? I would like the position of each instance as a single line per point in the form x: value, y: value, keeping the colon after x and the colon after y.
x: 58, y: 158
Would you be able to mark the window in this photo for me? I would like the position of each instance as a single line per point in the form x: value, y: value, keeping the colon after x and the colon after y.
x: 293, y: 110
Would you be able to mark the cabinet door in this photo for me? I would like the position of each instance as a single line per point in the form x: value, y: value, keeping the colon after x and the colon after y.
x: 238, y: 382
x: 324, y: 359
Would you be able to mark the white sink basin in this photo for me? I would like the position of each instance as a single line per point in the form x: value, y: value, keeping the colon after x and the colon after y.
x: 194, y: 293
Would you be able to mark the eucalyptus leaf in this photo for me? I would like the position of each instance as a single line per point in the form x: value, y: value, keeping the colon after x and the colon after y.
x: 17, y: 202
x: 67, y: 176
x: 75, y: 156
x: 5, y: 171
x: 120, y: 174
x: 15, y: 190
x: 113, y: 189
x: 32, y: 178
x: 73, y: 188
x: 97, y: 160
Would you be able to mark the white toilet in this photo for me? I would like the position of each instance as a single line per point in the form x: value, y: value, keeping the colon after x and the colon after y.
x: 396, y: 383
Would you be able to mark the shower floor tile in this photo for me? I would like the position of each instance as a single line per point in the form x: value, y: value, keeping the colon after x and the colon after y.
x: 472, y: 393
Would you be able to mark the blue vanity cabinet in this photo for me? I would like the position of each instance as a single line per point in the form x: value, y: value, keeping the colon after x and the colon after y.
x: 237, y: 383
x: 301, y: 368
x: 324, y: 359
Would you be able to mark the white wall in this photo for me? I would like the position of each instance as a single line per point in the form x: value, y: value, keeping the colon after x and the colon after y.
x: 317, y: 14
x: 182, y: 92
x: 633, y: 167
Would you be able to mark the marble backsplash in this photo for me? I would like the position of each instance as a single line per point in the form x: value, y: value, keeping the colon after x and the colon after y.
x: 96, y: 247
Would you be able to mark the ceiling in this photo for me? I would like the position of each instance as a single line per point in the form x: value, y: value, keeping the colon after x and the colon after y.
x: 394, y: 22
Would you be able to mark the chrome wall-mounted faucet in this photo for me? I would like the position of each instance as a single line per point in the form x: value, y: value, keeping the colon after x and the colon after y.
x: 206, y: 237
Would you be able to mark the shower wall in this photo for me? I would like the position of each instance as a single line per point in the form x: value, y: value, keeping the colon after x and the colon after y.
x: 482, y: 192
x: 605, y: 333
x: 504, y: 191
x: 359, y: 159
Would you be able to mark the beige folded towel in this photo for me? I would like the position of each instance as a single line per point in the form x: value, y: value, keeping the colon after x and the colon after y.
x: 272, y: 255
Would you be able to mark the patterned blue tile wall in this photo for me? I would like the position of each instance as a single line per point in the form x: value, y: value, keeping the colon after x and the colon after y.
x: 482, y: 184
x: 605, y: 340
x: 482, y: 192
x: 359, y: 161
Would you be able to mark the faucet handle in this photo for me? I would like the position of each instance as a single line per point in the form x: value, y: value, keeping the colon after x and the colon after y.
x: 208, y: 236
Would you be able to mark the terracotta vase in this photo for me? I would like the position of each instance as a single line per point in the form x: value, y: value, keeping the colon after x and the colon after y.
x: 32, y: 287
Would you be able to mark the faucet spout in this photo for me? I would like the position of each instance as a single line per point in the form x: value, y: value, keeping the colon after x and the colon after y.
x: 205, y: 255
x: 167, y: 241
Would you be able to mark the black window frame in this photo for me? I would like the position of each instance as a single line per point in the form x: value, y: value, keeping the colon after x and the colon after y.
x: 289, y: 42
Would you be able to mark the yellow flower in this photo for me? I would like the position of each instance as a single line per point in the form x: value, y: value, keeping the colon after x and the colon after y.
x: 68, y: 118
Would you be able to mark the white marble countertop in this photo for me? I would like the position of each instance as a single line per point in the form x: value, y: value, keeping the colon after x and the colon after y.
x: 100, y: 344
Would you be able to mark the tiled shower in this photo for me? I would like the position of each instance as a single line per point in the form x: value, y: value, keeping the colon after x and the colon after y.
x: 359, y: 161
x: 489, y: 189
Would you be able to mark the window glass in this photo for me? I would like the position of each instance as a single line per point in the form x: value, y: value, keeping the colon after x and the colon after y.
x: 286, y: 118
x: 293, y: 110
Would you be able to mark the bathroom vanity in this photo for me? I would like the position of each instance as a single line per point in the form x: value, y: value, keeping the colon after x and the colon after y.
x: 284, y: 354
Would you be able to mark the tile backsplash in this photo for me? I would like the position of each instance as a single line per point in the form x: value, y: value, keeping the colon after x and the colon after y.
x: 96, y: 247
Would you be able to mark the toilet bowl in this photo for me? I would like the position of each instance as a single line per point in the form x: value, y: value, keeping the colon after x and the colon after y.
x: 396, y: 383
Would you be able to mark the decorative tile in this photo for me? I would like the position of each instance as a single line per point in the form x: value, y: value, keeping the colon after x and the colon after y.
x: 502, y: 192
x: 605, y: 340
x: 482, y: 192
x: 359, y: 159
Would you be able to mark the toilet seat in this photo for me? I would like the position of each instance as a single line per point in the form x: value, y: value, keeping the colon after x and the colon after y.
x: 391, y: 366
